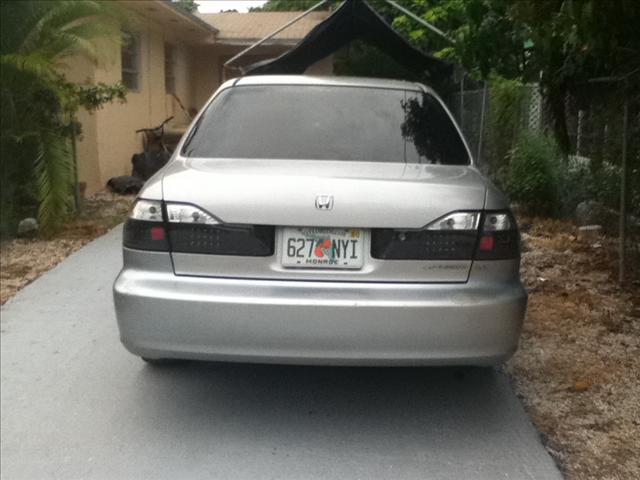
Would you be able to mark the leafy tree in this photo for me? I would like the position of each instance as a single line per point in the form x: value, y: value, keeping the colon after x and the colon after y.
x: 290, y: 5
x: 38, y: 103
x: 564, y: 43
x: 189, y: 6
x: 487, y: 37
x: 575, y: 41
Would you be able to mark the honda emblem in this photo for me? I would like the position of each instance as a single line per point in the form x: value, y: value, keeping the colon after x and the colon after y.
x: 324, y: 202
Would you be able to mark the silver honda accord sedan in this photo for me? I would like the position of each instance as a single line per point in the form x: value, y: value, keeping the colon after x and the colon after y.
x: 312, y: 220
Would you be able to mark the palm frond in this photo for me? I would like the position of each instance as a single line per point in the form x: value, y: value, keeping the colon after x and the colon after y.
x: 34, y: 63
x: 68, y: 28
x: 35, y: 39
x: 54, y: 173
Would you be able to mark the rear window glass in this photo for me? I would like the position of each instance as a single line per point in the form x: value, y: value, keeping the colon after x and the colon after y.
x: 326, y: 123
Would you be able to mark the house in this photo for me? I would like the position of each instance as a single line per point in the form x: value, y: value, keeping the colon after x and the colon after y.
x: 171, y: 64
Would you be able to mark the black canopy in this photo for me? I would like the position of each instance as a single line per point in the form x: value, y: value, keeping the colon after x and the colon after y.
x: 355, y: 19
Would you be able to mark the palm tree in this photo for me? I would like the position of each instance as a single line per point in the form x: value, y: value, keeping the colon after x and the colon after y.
x: 37, y: 102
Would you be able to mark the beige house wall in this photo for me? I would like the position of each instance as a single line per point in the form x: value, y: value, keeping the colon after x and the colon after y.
x: 109, y: 139
x: 204, y: 74
x: 80, y: 70
x: 183, y: 87
x: 144, y: 107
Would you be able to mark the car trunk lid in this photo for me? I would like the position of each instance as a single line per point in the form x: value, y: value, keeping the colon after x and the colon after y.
x: 284, y: 193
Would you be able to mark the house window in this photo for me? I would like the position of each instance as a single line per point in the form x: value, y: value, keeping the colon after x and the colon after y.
x: 169, y: 75
x: 131, y: 61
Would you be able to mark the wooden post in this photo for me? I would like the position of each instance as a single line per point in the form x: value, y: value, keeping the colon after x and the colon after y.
x: 482, y: 115
x: 462, y: 102
x: 623, y: 186
x: 74, y: 153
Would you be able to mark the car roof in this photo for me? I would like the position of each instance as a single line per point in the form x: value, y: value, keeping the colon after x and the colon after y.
x: 325, y: 81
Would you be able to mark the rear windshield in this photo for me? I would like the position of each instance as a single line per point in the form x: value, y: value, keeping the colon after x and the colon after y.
x: 326, y: 123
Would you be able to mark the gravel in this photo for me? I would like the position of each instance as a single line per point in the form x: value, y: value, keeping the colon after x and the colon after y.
x: 22, y: 260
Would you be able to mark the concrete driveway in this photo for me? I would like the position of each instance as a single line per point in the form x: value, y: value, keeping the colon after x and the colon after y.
x: 75, y: 404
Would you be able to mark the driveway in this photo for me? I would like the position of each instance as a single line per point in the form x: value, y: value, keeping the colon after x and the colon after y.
x: 75, y: 404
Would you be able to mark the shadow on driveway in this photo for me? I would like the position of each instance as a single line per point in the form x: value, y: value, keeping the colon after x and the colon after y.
x: 343, y: 422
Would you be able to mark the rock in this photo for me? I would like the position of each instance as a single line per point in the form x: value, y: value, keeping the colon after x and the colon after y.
x: 582, y: 385
x: 591, y: 212
x: 589, y: 233
x: 27, y: 226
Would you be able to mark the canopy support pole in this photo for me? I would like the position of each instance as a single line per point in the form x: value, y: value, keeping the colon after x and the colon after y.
x: 482, y: 115
x: 421, y: 21
x: 228, y: 63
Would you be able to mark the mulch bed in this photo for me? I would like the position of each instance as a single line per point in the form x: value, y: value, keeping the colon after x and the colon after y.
x: 578, y: 367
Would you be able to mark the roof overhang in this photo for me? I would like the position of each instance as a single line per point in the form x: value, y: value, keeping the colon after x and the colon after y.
x: 181, y: 24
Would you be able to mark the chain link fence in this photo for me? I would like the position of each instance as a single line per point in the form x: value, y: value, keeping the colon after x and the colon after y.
x: 477, y: 114
x: 493, y: 119
x: 594, y: 124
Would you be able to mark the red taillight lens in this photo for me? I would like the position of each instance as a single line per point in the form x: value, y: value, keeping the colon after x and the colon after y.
x: 499, y: 237
x: 143, y: 235
x: 487, y: 243
x: 144, y: 229
x: 157, y: 234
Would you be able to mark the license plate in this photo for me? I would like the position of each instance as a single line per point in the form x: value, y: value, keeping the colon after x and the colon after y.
x: 316, y: 247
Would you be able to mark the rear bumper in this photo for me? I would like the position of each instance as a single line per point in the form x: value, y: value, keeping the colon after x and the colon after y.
x: 161, y: 315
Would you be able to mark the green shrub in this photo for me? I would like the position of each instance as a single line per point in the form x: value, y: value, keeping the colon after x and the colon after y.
x: 533, y: 174
x: 506, y: 102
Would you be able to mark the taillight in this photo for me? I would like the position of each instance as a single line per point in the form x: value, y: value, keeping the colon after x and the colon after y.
x: 185, y: 228
x: 244, y: 240
x: 192, y: 230
x: 455, y: 236
x: 452, y: 237
x: 184, y: 213
x: 499, y: 237
x: 144, y: 229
